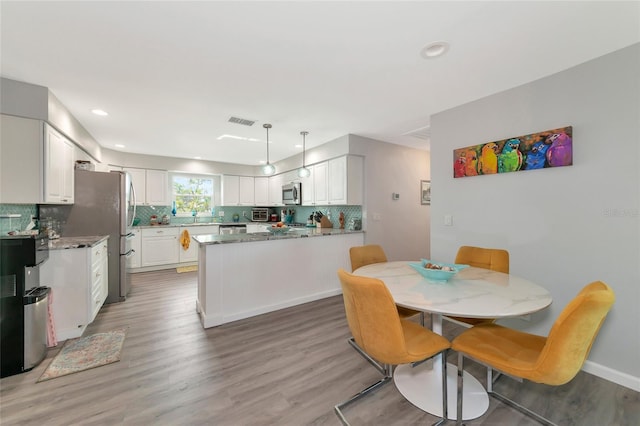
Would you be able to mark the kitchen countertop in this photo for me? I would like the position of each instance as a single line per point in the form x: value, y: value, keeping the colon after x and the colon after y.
x: 64, y: 243
x: 268, y: 236
x: 184, y: 225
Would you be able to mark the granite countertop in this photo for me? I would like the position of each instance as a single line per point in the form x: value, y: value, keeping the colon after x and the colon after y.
x: 268, y: 236
x: 64, y: 243
x: 184, y: 225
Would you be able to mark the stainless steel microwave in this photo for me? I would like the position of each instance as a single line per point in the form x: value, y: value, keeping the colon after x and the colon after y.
x: 291, y: 194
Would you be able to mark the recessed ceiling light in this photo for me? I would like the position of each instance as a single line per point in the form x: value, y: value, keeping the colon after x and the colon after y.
x: 99, y: 112
x: 119, y: 145
x: 298, y: 145
x: 435, y: 49
x: 197, y: 158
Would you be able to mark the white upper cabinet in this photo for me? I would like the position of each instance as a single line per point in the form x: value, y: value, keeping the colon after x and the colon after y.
x: 320, y: 183
x: 307, y: 188
x: 151, y: 186
x: 157, y: 188
x: 346, y: 179
x: 230, y: 190
x: 261, y: 187
x: 275, y: 190
x: 246, y: 191
x: 58, y: 167
x: 139, y: 181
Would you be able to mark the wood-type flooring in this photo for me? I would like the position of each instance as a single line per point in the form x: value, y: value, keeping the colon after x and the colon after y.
x: 288, y: 367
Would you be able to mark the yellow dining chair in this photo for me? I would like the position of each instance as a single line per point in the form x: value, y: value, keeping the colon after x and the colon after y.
x: 487, y: 258
x: 373, y: 253
x: 385, y: 337
x: 367, y: 255
x: 553, y: 360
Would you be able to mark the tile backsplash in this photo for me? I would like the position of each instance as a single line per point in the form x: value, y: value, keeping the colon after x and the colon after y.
x: 301, y: 215
x: 8, y: 224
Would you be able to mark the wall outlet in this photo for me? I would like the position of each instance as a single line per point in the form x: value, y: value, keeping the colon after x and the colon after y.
x: 244, y: 213
x: 221, y: 213
x: 448, y: 220
x: 376, y: 216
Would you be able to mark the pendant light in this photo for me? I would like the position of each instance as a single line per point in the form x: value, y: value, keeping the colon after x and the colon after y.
x: 268, y: 169
x: 304, y: 172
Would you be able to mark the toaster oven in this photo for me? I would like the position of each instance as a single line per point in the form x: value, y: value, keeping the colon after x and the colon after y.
x: 259, y: 215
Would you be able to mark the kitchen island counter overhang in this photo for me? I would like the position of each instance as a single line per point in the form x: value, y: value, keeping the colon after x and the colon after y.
x: 240, y: 276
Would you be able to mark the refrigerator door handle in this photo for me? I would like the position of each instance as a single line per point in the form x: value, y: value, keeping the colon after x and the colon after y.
x: 130, y: 236
x: 133, y: 201
x: 130, y: 253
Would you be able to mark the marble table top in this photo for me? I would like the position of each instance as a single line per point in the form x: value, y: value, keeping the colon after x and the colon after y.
x: 472, y: 292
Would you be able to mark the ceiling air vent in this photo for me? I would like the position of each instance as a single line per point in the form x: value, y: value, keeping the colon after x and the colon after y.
x: 242, y: 121
x: 423, y: 133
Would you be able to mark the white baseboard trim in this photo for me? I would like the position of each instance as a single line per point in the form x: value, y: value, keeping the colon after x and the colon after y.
x: 277, y: 306
x: 612, y: 375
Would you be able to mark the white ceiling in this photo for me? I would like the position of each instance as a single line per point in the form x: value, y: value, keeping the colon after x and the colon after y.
x: 170, y: 74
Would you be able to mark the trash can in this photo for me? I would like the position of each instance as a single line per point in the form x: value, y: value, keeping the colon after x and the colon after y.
x: 36, y: 312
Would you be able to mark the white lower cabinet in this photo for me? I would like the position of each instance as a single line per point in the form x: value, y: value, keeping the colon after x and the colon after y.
x: 190, y: 254
x: 159, y: 246
x: 252, y: 228
x: 79, y: 284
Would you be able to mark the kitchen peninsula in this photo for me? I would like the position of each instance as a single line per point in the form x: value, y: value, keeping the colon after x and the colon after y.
x: 244, y: 275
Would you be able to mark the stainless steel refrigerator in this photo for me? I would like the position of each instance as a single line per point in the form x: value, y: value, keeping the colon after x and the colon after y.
x: 104, y: 204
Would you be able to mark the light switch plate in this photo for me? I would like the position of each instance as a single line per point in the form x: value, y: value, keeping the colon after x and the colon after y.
x: 448, y: 220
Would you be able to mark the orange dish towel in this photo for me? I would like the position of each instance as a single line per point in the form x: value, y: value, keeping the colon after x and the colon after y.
x: 185, y: 240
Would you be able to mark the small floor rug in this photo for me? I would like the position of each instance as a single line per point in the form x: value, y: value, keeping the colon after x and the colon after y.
x: 84, y: 353
x: 181, y: 269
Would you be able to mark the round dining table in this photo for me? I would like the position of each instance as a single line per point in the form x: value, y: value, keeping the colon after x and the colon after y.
x: 472, y: 293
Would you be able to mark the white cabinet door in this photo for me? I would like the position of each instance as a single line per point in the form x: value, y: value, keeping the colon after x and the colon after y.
x: 157, y: 188
x: 307, y: 188
x: 321, y: 183
x: 246, y: 191
x: 230, y: 190
x: 261, y: 190
x: 275, y: 190
x: 151, y: 186
x: 191, y: 254
x: 159, y: 246
x: 58, y: 167
x: 139, y: 180
x: 133, y: 261
x: 99, y: 279
x: 79, y: 281
x: 252, y: 228
x: 346, y: 176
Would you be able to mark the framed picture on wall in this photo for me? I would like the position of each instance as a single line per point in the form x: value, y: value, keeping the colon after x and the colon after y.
x: 425, y: 192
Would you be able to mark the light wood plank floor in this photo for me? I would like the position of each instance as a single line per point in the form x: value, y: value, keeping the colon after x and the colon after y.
x: 284, y: 368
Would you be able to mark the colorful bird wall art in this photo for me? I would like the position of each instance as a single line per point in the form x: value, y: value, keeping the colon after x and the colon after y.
x: 551, y: 148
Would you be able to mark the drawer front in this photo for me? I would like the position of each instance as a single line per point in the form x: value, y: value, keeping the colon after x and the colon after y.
x: 159, y: 232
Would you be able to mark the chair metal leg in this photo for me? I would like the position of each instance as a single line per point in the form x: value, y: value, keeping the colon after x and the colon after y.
x: 387, y: 377
x: 460, y: 384
x: 381, y: 368
x: 445, y: 405
x: 494, y: 394
x: 522, y: 409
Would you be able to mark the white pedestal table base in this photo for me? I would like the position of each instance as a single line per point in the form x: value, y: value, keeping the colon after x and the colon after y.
x: 422, y: 387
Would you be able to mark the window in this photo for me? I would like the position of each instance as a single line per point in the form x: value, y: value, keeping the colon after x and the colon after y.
x: 192, y: 193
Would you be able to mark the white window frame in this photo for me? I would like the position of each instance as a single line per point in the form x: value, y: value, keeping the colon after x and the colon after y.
x: 194, y: 176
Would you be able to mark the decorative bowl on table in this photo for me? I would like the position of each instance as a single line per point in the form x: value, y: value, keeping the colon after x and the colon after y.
x: 278, y: 230
x: 437, y: 271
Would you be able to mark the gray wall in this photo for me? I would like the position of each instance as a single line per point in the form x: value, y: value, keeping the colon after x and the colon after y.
x: 32, y: 101
x: 400, y: 226
x: 563, y: 227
